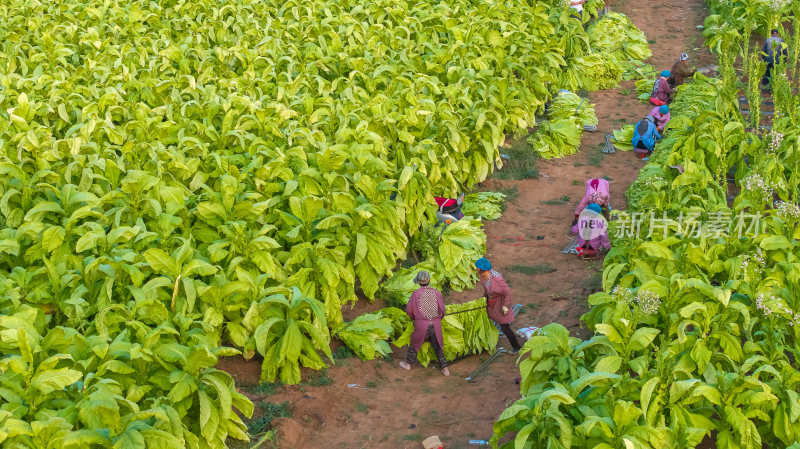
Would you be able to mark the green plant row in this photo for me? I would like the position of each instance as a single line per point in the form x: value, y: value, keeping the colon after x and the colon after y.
x: 697, y: 331
x: 188, y: 176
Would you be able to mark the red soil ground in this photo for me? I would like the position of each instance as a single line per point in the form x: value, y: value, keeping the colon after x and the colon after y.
x: 393, y: 408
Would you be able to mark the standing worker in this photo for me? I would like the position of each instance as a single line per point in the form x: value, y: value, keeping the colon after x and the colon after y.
x: 426, y: 309
x: 661, y: 90
x: 661, y: 114
x: 577, y: 5
x: 644, y: 137
x: 680, y: 71
x: 775, y: 50
x: 498, y: 300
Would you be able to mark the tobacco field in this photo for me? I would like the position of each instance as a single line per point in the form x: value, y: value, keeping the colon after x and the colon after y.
x: 697, y: 330
x: 182, y: 181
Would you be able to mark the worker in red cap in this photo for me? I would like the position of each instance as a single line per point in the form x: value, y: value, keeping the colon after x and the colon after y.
x: 498, y: 300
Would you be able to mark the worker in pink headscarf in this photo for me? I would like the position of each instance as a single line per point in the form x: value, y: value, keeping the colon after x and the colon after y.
x: 594, y: 186
x: 593, y: 232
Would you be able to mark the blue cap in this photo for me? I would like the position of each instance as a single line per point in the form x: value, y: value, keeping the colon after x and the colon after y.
x: 483, y: 264
x: 665, y: 73
x: 663, y: 109
x: 595, y: 207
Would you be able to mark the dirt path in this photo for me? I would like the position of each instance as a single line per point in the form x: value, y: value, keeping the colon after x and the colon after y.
x: 392, y: 408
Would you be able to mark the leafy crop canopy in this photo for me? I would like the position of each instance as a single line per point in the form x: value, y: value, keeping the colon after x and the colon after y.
x: 174, y: 175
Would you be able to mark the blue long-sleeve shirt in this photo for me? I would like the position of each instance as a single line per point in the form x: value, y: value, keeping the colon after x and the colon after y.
x: 648, y: 138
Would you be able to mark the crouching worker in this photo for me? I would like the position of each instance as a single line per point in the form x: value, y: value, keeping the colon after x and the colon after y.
x: 426, y: 309
x: 661, y: 114
x: 593, y: 231
x: 680, y: 71
x: 644, y: 139
x: 661, y: 90
x: 596, y: 192
x: 498, y: 300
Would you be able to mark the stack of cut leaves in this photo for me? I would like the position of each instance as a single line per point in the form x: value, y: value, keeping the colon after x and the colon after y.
x: 458, y: 246
x: 615, y: 34
x: 623, y: 138
x: 399, y: 287
x: 463, y: 242
x: 486, y: 205
x: 599, y: 70
x: 366, y: 335
x: 468, y: 332
x: 558, y: 138
x: 568, y: 105
x: 561, y: 135
x: 644, y: 88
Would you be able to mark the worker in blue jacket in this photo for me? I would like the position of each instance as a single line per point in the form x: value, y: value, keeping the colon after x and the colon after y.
x: 645, y: 135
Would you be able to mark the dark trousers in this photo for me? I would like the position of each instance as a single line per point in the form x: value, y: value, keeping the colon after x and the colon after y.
x: 430, y: 336
x: 767, y: 75
x: 510, y: 335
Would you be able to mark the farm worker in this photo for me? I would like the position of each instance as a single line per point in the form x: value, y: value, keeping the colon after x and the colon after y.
x: 644, y: 137
x: 661, y: 114
x: 426, y: 308
x: 774, y: 51
x: 661, y: 90
x: 577, y: 5
x: 597, y: 189
x: 498, y: 300
x: 593, y: 233
x: 680, y: 71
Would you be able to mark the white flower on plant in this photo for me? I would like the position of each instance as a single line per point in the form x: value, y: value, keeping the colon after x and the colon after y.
x: 775, y: 140
x: 778, y: 307
x: 623, y: 294
x: 655, y: 182
x: 756, y: 261
x: 787, y: 211
x: 648, y: 301
x: 758, y: 187
x: 761, y: 305
x: 778, y: 5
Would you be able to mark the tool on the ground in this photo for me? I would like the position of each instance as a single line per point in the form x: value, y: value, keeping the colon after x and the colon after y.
x: 571, y: 248
x: 485, y: 364
x: 478, y: 443
x: 590, y: 128
x: 609, y: 146
x: 357, y: 386
x: 515, y: 310
x: 708, y: 68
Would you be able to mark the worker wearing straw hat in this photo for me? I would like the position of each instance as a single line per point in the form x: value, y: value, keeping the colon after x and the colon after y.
x: 426, y: 309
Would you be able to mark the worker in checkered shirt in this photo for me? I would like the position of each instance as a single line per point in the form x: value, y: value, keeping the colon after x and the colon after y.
x: 426, y: 308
